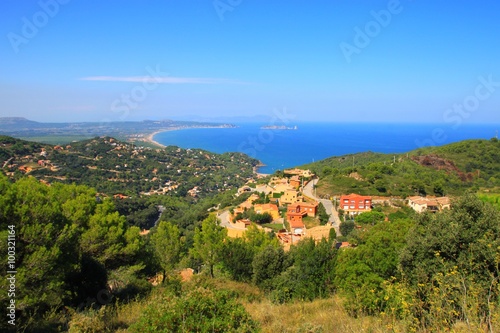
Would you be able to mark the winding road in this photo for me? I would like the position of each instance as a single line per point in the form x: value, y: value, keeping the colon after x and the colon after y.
x: 330, y: 209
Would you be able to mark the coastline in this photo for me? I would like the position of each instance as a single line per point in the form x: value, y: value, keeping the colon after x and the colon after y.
x: 150, y: 137
x: 256, y: 170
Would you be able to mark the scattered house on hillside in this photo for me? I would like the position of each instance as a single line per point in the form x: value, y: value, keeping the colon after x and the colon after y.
x: 25, y: 168
x: 299, y: 172
x: 243, y: 223
x: 354, y: 204
x: 295, y: 182
x: 245, y: 205
x: 244, y: 189
x: 421, y: 204
x: 194, y: 191
x: 269, y: 208
x: 120, y: 196
x: 444, y: 203
x: 289, y: 197
x: 294, y: 213
x: 297, y: 228
x: 342, y: 245
x: 264, y: 188
x: 311, y: 208
x: 281, y: 188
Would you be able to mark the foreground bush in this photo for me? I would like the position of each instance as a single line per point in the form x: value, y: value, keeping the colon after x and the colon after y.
x: 199, y: 310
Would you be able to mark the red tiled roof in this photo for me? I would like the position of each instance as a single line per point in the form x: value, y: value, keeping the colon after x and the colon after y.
x: 296, y: 224
x: 355, y: 196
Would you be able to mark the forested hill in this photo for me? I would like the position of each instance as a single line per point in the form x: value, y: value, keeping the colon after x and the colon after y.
x: 114, y: 167
x: 448, y: 169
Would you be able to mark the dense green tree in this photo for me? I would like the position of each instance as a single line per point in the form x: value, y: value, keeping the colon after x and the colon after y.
x: 209, y: 242
x: 359, y: 272
x: 332, y: 235
x: 166, y: 241
x: 237, y: 259
x: 371, y: 217
x: 346, y: 228
x: 322, y: 214
x: 46, y: 245
x: 310, y: 274
x: 455, y: 252
x: 268, y: 264
x: 108, y: 239
x: 239, y: 253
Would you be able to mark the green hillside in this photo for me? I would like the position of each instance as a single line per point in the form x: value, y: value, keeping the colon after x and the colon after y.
x: 449, y: 169
x: 112, y: 166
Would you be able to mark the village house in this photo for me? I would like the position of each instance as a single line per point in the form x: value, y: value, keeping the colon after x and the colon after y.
x: 289, y: 197
x: 243, y: 223
x: 264, y: 188
x: 295, y: 213
x: 281, y: 188
x: 244, y: 189
x: 311, y: 208
x: 295, y: 182
x: 294, y: 216
x: 245, y: 205
x: 299, y: 172
x: 421, y: 204
x: 271, y: 209
x: 25, y: 168
x: 354, y: 204
x: 297, y: 228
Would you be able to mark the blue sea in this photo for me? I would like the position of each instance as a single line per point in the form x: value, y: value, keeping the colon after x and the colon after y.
x: 279, y: 149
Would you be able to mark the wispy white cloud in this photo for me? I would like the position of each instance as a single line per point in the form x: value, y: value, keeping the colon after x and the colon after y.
x: 162, y: 79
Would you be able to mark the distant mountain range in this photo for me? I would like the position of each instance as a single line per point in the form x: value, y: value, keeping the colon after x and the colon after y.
x: 22, y: 127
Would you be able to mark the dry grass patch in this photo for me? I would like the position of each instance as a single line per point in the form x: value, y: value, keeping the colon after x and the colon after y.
x: 319, y: 316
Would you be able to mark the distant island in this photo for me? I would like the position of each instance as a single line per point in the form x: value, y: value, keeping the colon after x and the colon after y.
x: 282, y: 127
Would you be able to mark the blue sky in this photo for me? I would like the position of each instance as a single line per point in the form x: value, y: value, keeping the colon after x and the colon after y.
x: 371, y: 61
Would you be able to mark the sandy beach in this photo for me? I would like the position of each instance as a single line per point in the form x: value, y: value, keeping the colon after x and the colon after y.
x: 150, y: 137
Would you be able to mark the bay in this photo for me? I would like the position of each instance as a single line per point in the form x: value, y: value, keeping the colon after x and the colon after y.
x: 279, y: 149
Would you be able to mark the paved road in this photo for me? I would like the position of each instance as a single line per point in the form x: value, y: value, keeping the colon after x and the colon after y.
x: 330, y: 209
x: 224, y: 221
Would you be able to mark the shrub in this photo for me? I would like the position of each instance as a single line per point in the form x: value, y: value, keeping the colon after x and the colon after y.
x: 200, y: 310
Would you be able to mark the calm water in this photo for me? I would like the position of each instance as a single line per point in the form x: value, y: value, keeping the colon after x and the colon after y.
x: 279, y: 149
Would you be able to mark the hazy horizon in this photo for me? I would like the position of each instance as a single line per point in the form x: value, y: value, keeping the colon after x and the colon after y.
x: 378, y: 61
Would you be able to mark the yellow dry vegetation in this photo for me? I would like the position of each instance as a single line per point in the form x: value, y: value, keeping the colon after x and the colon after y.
x: 319, y: 232
x: 235, y: 233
